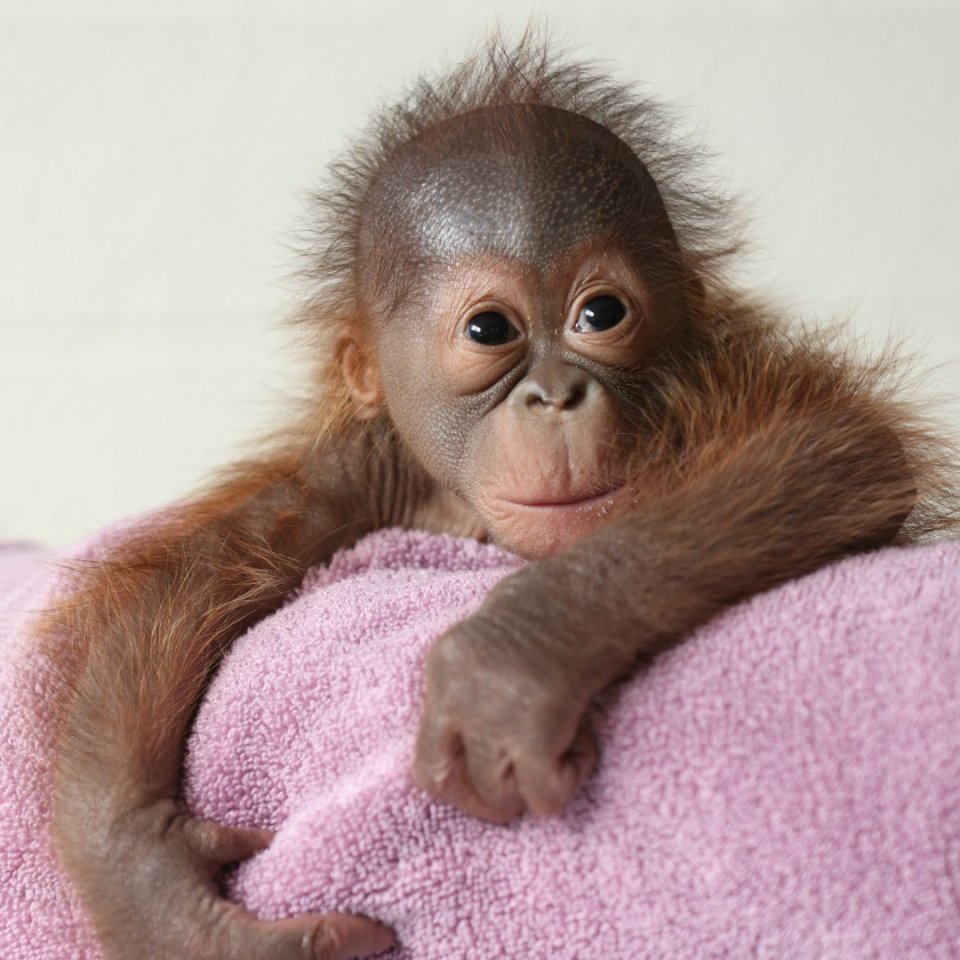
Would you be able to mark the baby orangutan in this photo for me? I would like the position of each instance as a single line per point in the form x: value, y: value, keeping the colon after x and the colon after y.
x: 522, y: 333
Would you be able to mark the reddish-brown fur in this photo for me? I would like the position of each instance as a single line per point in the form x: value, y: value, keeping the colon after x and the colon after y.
x: 758, y: 455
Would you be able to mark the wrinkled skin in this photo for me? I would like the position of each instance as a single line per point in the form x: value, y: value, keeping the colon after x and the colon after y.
x: 503, y: 731
x: 526, y: 419
x: 530, y: 359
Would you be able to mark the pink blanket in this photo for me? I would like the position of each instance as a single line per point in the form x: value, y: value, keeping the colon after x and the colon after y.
x: 786, y: 784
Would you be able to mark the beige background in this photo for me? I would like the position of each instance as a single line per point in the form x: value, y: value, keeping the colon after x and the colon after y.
x: 154, y: 158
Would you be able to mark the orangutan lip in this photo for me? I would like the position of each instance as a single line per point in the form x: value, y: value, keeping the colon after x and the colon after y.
x: 577, y: 500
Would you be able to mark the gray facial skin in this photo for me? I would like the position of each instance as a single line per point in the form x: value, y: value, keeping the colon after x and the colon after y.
x: 517, y: 181
x: 531, y: 189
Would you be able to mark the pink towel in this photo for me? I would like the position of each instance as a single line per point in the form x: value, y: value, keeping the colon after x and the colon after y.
x: 785, y: 784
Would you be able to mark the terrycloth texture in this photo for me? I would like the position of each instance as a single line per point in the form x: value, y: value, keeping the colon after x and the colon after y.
x: 39, y: 916
x: 786, y: 784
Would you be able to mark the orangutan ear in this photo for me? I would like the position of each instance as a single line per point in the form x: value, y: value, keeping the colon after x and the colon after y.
x: 361, y: 376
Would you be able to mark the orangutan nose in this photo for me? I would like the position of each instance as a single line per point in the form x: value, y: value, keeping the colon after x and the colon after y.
x: 552, y: 389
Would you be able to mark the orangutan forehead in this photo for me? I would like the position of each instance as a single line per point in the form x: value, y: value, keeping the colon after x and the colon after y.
x: 517, y: 181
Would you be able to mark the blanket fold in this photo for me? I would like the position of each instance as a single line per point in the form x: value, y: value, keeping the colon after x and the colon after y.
x: 785, y: 784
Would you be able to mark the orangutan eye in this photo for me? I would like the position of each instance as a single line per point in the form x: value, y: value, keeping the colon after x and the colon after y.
x: 491, y: 329
x: 600, y: 313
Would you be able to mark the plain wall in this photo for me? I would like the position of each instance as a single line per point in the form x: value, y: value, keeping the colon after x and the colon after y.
x: 155, y: 159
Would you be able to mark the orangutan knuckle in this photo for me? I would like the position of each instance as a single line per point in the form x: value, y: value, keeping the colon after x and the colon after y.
x: 450, y: 651
x: 324, y: 942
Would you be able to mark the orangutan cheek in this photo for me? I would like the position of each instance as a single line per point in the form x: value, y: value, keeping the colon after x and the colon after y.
x: 419, y: 406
